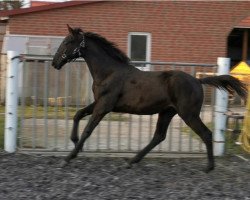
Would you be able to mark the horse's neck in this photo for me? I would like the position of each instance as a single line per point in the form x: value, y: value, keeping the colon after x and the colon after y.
x: 100, y: 66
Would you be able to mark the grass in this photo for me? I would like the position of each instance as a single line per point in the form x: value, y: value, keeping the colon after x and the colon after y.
x: 230, y: 139
x: 1, y: 131
x: 230, y: 146
x: 62, y: 112
x: 50, y: 112
x: 59, y: 112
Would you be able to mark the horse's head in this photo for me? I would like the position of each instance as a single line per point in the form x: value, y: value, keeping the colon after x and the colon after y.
x: 70, y: 48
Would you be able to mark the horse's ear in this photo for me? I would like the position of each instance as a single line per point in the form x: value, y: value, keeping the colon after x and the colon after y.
x: 81, y: 32
x: 70, y: 30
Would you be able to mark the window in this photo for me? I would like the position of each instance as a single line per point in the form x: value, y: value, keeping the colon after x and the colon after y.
x: 30, y: 44
x: 238, y: 44
x: 139, y: 49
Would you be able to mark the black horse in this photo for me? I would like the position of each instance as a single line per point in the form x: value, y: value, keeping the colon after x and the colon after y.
x: 120, y: 87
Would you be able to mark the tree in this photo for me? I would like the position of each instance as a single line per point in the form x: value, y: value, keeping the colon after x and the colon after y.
x: 10, y: 5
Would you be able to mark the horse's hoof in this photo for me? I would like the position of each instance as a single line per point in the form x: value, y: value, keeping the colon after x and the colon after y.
x: 63, y: 164
x: 209, y: 169
x: 128, y: 164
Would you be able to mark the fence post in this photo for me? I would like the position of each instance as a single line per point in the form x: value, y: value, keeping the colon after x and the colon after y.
x: 221, y: 103
x: 10, y: 133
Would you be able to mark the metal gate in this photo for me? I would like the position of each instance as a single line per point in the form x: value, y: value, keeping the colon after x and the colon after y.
x: 48, y: 100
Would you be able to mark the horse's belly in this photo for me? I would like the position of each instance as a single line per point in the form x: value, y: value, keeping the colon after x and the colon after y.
x: 142, y: 105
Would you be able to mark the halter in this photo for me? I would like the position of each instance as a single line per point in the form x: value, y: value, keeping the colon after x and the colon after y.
x: 76, y: 50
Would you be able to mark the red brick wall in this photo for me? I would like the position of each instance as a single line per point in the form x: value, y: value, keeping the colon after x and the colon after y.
x: 181, y: 31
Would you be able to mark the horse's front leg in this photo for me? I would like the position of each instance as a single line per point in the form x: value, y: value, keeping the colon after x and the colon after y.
x: 93, y: 122
x: 101, y: 108
x: 78, y: 116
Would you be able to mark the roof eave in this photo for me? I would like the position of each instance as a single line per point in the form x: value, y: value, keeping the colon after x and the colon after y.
x: 247, y: 26
x: 43, y: 8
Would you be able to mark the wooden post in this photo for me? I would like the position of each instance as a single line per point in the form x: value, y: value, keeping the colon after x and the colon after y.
x: 245, y: 45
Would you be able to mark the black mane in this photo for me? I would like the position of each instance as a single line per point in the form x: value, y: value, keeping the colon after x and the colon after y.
x: 110, y: 47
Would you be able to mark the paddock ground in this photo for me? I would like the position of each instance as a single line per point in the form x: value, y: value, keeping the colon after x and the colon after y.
x: 33, y: 176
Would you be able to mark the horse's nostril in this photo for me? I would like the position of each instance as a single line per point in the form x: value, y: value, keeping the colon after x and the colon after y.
x: 53, y: 63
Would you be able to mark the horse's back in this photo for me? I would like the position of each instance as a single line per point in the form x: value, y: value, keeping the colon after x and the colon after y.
x: 152, y: 92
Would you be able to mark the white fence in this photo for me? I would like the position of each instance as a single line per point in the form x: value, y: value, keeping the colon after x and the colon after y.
x: 49, y: 98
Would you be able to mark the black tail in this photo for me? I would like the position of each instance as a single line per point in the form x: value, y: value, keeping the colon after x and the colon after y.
x: 227, y: 82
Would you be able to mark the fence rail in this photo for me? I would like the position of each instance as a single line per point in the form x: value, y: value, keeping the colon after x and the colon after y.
x: 49, y: 98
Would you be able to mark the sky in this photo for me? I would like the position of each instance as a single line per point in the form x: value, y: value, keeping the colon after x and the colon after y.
x: 27, y: 2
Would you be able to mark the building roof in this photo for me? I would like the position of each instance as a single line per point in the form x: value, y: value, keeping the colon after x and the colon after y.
x: 43, y: 8
x: 245, y: 23
x: 40, y: 3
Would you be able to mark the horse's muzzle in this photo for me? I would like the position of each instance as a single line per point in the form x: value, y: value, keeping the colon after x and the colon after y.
x: 55, y: 65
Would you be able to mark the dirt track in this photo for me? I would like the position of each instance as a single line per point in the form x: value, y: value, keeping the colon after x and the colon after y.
x: 39, y: 177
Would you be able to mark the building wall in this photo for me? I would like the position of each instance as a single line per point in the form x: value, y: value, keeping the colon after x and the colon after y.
x: 181, y: 31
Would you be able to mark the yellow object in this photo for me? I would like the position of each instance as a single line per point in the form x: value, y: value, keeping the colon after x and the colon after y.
x: 244, y: 137
x: 241, y: 68
x: 242, y: 72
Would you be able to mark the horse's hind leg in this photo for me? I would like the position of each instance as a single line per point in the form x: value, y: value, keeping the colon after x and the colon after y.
x: 78, y: 116
x: 164, y: 119
x: 205, y: 134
